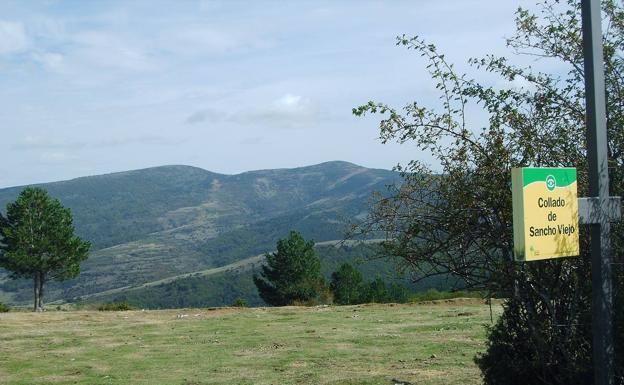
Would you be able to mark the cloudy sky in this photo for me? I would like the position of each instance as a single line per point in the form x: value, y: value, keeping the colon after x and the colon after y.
x: 91, y: 87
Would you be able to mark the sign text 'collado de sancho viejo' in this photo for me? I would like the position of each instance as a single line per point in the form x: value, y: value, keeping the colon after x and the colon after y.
x: 545, y: 213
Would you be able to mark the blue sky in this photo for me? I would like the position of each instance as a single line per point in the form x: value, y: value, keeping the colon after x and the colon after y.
x: 90, y: 87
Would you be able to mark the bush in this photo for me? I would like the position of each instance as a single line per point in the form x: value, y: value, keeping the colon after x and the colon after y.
x: 346, y: 285
x: 239, y: 302
x: 4, y: 308
x: 515, y: 349
x: 323, y: 296
x: 348, y: 288
x: 115, y: 306
x: 375, y: 292
x: 398, y: 293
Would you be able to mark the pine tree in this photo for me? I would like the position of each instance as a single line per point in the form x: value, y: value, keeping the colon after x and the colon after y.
x: 37, y: 240
x: 292, y: 274
x: 347, y: 285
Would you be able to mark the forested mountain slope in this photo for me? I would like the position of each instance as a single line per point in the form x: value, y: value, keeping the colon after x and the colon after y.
x: 154, y: 223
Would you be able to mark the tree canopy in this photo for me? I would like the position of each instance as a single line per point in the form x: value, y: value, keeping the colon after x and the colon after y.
x: 292, y: 274
x: 346, y: 285
x: 37, y: 241
x: 458, y: 219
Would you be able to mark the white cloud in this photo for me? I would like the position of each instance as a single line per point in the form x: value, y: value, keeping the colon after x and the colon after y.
x: 56, y: 146
x: 105, y: 49
x: 150, y: 140
x: 205, y: 39
x: 33, y: 142
x: 252, y: 140
x: 13, y: 38
x: 56, y: 157
x: 201, y: 40
x: 49, y: 60
x: 204, y: 115
x: 208, y: 5
x: 288, y: 101
x: 49, y: 28
x: 287, y: 111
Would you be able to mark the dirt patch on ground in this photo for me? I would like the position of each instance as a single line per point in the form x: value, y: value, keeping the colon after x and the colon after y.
x: 428, y: 373
x: 51, y: 379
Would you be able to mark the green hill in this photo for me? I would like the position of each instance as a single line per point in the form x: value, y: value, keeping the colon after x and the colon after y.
x: 221, y: 286
x: 147, y: 225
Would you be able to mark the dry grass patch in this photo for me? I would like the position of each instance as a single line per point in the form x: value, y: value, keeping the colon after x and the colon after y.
x: 367, y: 344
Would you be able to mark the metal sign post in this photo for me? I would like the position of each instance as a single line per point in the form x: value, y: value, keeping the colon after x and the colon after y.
x: 599, y: 204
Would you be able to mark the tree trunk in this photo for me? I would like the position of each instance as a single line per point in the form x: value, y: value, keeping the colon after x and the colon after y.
x: 37, y: 288
x: 41, y: 282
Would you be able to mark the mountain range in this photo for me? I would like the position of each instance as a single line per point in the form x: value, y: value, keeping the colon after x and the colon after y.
x: 158, y: 227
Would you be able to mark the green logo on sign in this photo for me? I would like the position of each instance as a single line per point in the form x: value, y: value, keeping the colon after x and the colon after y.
x: 550, y: 183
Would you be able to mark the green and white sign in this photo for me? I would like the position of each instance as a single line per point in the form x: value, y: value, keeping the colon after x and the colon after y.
x: 545, y: 213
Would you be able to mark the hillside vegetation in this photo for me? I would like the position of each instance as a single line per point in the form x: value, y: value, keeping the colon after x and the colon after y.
x: 148, y: 225
x: 223, y: 285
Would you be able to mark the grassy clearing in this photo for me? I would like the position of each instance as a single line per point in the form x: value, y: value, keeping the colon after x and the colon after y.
x: 367, y: 344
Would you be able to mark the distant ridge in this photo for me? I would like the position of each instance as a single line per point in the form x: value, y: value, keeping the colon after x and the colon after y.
x: 164, y: 221
x: 179, y: 167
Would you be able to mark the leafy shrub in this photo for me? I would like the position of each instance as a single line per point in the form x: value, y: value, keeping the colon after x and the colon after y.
x: 349, y: 288
x: 346, y: 284
x: 239, y: 302
x: 398, y: 293
x: 513, y: 353
x: 114, y: 306
x: 323, y: 296
x: 4, y: 308
x: 376, y: 292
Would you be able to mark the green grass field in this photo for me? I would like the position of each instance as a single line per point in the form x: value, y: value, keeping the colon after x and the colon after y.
x: 369, y: 344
